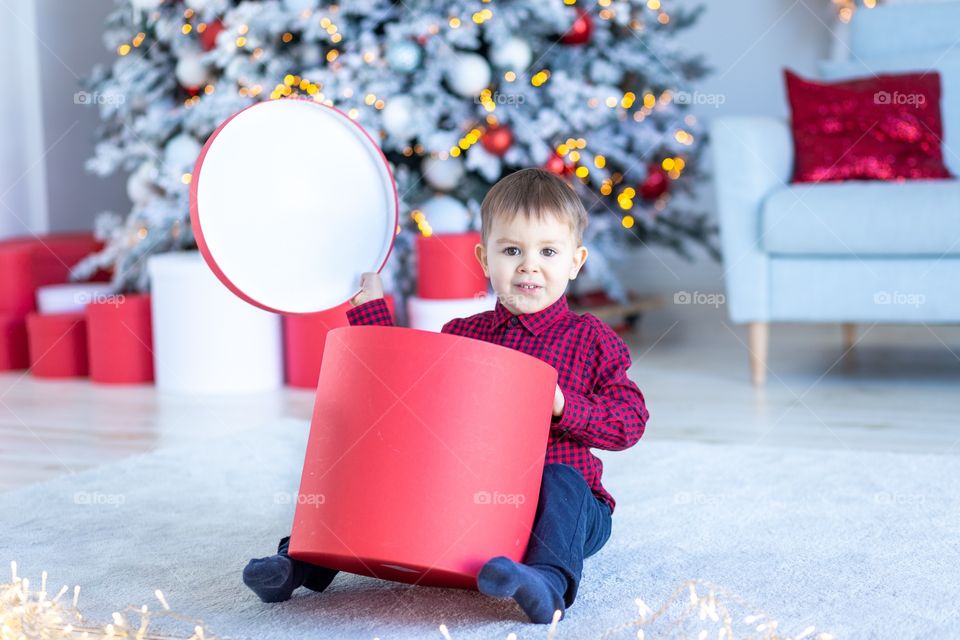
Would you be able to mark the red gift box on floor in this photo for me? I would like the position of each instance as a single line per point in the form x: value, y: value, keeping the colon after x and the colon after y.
x: 304, y: 336
x: 58, y: 345
x: 13, y: 342
x: 120, y: 339
x: 425, y: 455
x: 27, y: 263
x: 447, y: 266
x: 31, y: 262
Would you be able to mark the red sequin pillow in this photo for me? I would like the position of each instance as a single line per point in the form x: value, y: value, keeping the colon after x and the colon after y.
x: 886, y: 127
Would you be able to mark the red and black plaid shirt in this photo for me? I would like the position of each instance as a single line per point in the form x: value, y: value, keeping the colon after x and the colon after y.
x: 603, y: 408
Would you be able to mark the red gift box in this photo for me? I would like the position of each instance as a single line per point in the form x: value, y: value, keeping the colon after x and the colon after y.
x: 13, y: 342
x: 28, y: 263
x: 31, y: 262
x: 120, y: 339
x: 447, y: 266
x: 58, y: 345
x: 304, y: 336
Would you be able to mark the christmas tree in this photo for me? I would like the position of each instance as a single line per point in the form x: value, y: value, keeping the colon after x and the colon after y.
x: 458, y: 93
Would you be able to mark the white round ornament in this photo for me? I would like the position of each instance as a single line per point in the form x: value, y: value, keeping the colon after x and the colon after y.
x: 397, y: 116
x: 191, y: 72
x: 442, y: 174
x: 468, y: 74
x: 513, y: 55
x: 446, y: 214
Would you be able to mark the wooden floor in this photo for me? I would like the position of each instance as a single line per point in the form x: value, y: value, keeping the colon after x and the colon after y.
x: 899, y: 390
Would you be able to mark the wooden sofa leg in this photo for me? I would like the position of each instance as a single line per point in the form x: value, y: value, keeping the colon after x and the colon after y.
x: 758, y: 338
x: 849, y: 336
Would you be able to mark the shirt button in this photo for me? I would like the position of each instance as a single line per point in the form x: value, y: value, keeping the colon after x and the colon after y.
x: 513, y: 321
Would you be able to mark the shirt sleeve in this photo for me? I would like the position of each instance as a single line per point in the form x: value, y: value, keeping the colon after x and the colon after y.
x: 372, y: 312
x: 613, y: 415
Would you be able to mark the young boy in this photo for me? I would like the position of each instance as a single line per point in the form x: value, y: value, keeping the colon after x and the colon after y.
x: 532, y: 226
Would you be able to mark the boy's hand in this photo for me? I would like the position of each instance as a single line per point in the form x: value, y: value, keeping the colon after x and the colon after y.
x: 371, y: 288
x: 558, y: 402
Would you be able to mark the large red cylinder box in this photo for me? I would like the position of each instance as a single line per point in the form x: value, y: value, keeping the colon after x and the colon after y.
x: 447, y: 266
x: 304, y: 336
x: 425, y: 455
x: 58, y: 345
x: 120, y: 339
x: 13, y: 342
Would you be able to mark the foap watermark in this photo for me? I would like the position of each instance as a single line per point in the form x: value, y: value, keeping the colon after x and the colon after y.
x: 285, y: 497
x: 697, y: 498
x: 86, y: 297
x: 97, y: 498
x: 896, y: 499
x: 500, y: 99
x: 86, y: 98
x: 696, y: 97
x: 498, y: 498
x: 696, y: 297
x: 900, y: 298
x: 899, y: 98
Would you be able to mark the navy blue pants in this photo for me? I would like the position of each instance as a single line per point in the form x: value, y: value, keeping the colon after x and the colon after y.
x: 571, y: 524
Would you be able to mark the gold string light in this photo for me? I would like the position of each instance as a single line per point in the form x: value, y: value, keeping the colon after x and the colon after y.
x: 845, y: 8
x: 25, y: 613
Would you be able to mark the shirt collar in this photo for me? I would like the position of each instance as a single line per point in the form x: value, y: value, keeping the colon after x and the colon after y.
x: 534, y: 322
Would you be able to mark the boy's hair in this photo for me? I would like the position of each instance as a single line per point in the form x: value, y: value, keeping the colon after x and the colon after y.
x: 533, y: 193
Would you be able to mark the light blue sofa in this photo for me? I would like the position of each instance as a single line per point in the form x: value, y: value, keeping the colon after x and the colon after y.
x: 845, y: 252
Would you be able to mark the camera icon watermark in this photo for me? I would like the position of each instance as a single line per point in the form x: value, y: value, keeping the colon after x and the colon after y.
x: 497, y: 498
x: 87, y: 98
x: 696, y: 297
x: 899, y: 298
x: 899, y: 98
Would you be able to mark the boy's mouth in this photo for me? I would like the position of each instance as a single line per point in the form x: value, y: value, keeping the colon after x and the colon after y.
x: 528, y: 288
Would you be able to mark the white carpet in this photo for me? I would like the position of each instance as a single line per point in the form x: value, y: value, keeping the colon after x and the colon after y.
x: 864, y: 545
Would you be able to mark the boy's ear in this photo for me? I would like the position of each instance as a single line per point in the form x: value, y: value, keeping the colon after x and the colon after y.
x: 481, y: 253
x: 579, y: 258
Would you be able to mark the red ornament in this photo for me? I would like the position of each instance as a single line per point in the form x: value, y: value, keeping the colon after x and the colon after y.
x: 655, y: 184
x: 580, y: 30
x: 208, y: 39
x: 497, y: 140
x: 556, y: 165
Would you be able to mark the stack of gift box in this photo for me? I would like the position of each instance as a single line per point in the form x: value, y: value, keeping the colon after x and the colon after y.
x: 58, y: 329
x: 191, y: 334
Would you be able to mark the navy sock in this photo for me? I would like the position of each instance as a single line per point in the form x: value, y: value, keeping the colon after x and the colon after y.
x: 275, y: 577
x: 535, y: 590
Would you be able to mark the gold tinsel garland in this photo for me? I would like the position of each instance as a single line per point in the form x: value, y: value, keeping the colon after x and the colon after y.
x: 26, y: 614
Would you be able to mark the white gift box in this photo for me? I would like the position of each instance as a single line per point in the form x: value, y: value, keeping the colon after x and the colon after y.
x: 432, y: 314
x: 206, y: 339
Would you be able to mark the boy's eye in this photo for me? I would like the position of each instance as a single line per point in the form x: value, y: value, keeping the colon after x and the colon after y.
x: 509, y: 249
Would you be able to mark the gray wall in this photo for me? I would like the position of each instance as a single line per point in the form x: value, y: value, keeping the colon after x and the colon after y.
x: 70, y: 37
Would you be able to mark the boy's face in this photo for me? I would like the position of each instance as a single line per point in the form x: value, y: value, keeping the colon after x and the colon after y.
x: 530, y: 251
